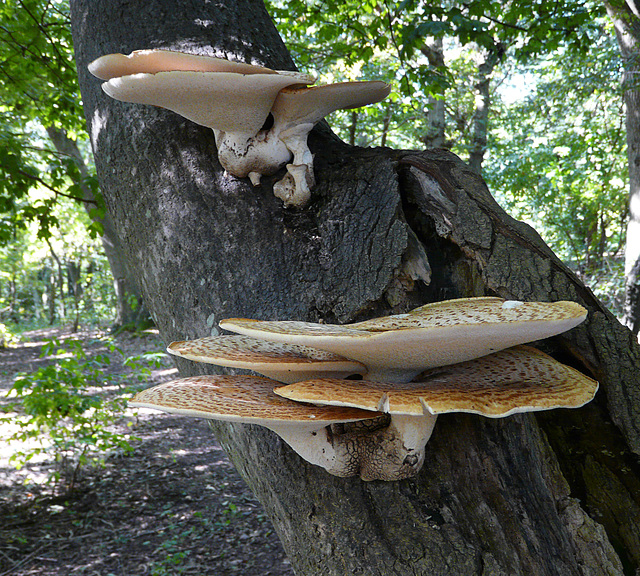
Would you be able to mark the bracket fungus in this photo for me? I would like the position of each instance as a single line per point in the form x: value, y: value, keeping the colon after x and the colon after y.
x: 397, y: 348
x: 518, y: 379
x: 235, y: 100
x: 277, y: 360
x: 250, y: 400
x: 465, y: 353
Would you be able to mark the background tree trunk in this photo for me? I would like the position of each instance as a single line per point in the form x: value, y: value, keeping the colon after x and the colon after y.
x: 130, y: 308
x: 557, y: 494
x: 436, y: 123
x: 482, y: 87
x: 626, y: 20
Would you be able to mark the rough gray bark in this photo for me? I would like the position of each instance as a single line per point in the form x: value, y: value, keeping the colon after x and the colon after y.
x: 129, y: 305
x: 626, y: 19
x: 557, y: 494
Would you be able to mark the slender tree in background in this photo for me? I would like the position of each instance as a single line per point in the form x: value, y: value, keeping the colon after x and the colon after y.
x: 434, y: 136
x: 626, y: 20
x: 130, y: 309
x: 556, y: 494
x: 39, y: 88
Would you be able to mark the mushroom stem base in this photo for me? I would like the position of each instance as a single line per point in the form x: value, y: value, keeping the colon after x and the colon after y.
x: 382, y: 449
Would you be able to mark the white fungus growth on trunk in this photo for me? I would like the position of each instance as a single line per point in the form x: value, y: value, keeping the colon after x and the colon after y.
x: 235, y: 100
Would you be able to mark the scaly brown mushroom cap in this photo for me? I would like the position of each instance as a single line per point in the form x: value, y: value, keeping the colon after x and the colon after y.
x: 246, y: 399
x: 397, y: 348
x: 250, y: 400
x: 481, y: 310
x: 280, y: 361
x: 520, y: 379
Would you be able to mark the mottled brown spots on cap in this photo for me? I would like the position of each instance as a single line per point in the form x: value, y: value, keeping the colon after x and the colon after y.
x: 239, y: 398
x: 486, y: 310
x: 247, y: 350
x: 520, y: 379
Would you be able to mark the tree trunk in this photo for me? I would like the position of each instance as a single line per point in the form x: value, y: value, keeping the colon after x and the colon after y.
x: 483, y: 105
x: 626, y: 20
x: 130, y: 308
x: 632, y: 298
x: 436, y: 124
x: 386, y: 231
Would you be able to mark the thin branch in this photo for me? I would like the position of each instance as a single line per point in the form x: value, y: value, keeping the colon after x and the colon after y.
x: 54, y: 190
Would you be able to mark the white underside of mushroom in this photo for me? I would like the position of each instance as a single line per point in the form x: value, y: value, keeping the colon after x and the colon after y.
x: 295, y: 187
x: 414, y: 430
x: 235, y: 100
x: 316, y: 447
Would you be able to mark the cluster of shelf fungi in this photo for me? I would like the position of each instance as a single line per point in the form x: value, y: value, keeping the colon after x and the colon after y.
x: 362, y: 399
x: 260, y: 117
x: 359, y: 399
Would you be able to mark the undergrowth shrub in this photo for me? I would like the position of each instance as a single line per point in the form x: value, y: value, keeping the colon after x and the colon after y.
x: 66, y: 409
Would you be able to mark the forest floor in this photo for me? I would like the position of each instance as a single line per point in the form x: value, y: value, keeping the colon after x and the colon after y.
x: 174, y: 505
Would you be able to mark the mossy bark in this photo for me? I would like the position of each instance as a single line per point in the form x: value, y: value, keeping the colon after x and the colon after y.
x: 386, y: 231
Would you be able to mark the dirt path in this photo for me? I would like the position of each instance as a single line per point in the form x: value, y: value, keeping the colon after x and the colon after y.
x: 174, y: 506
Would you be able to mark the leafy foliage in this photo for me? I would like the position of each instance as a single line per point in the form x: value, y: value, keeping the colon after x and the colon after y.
x: 44, y: 183
x: 558, y: 156
x: 39, y: 91
x: 390, y: 41
x: 37, y: 63
x: 61, y: 409
x: 62, y: 278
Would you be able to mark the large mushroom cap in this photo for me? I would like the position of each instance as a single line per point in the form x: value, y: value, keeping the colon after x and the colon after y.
x: 520, y: 379
x: 153, y: 61
x: 481, y: 310
x: 308, y: 105
x: 247, y: 399
x: 280, y: 361
x: 225, y: 101
x: 438, y: 334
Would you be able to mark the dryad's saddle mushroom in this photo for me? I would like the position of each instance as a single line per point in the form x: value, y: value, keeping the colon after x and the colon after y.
x: 235, y: 100
x: 465, y: 353
x: 277, y: 360
x: 397, y: 348
x: 250, y: 400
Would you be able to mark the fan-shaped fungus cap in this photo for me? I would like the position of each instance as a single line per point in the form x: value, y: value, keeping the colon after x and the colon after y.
x: 220, y: 94
x: 153, y: 61
x: 397, y: 348
x: 250, y: 400
x: 277, y: 360
x: 235, y: 99
x: 519, y: 379
x: 310, y: 104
